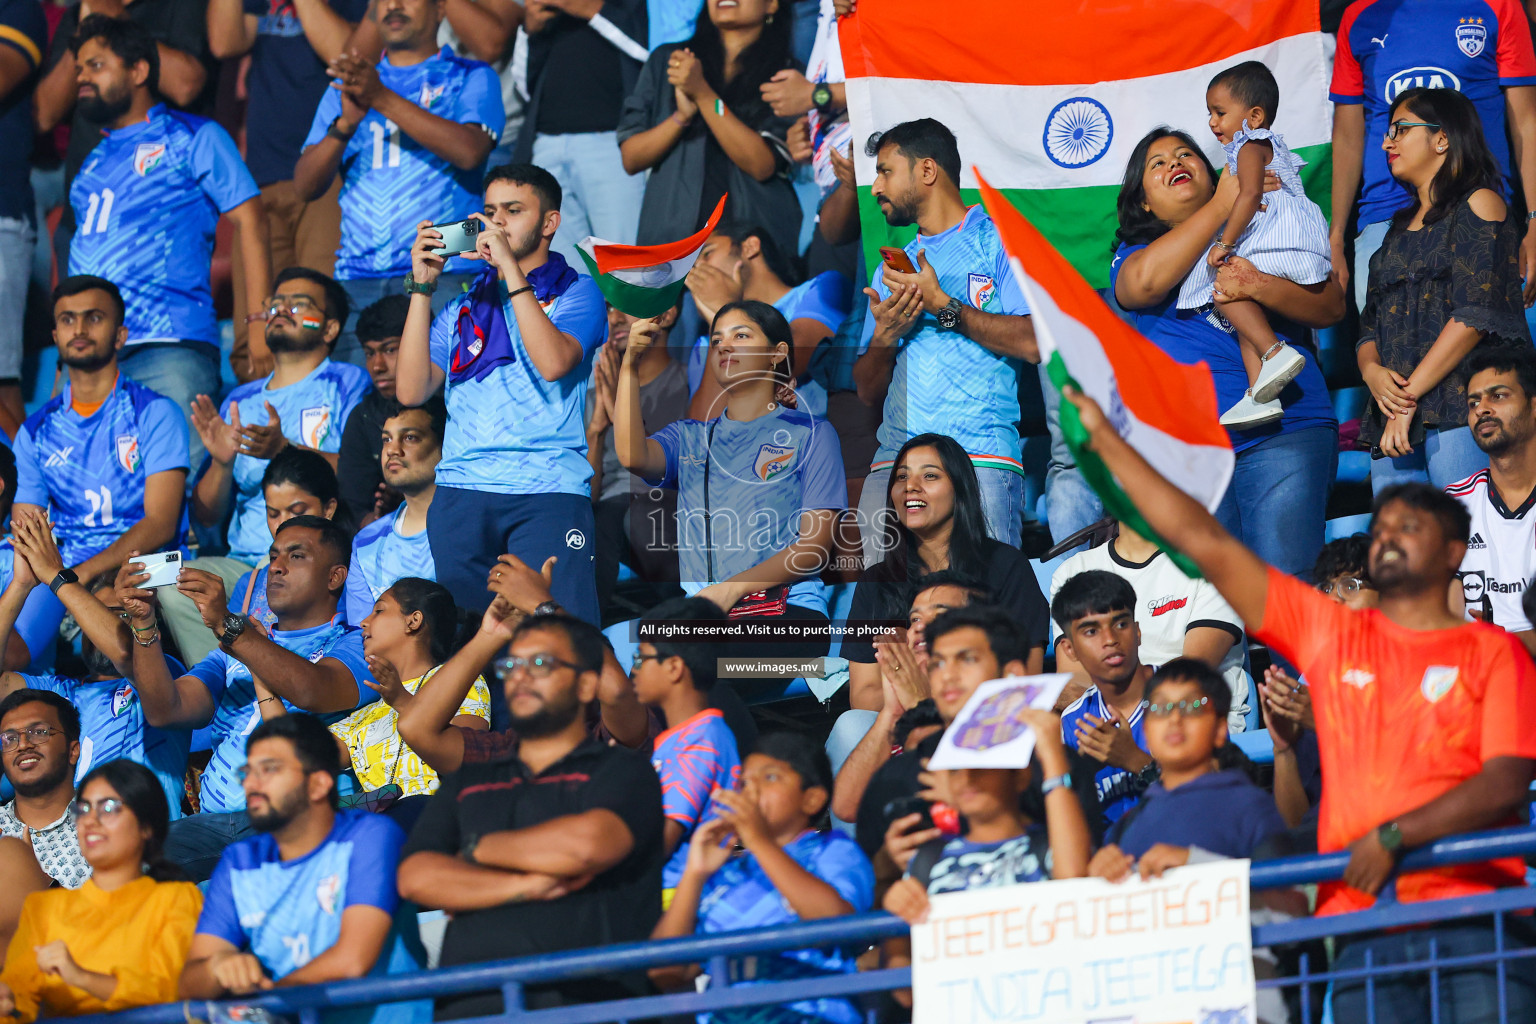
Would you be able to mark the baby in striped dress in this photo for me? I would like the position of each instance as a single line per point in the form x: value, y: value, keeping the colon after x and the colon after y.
x: 1282, y: 233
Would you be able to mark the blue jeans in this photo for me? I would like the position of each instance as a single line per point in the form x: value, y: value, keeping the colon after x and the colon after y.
x: 1446, y: 456
x: 600, y: 197
x: 1277, y: 502
x: 1002, y: 502
x: 180, y: 371
x: 1070, y: 503
x: 196, y: 843
x: 1467, y: 996
x: 847, y: 732
x: 363, y: 292
x: 469, y: 530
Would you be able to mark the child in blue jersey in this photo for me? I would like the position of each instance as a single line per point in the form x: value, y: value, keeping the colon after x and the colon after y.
x: 759, y: 485
x: 1281, y: 233
x: 396, y: 545
x: 1096, y: 613
x: 697, y: 753
x: 761, y: 863
x: 513, y: 355
x: 311, y: 897
x: 112, y: 721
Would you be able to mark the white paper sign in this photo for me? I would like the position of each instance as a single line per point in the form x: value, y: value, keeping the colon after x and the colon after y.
x: 1175, y: 950
x: 988, y: 732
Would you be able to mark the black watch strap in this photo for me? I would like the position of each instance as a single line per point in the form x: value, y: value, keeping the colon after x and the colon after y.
x: 65, y: 576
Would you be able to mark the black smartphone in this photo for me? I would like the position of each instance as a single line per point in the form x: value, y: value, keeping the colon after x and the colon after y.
x: 903, y: 806
x: 458, y: 236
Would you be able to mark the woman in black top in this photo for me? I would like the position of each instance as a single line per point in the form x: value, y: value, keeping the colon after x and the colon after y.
x: 1445, y: 280
x: 697, y: 120
x: 935, y: 522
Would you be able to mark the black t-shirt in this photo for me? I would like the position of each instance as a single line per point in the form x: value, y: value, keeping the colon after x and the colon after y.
x: 357, y: 461
x: 1007, y: 574
x: 583, y: 88
x: 897, y: 779
x: 620, y: 905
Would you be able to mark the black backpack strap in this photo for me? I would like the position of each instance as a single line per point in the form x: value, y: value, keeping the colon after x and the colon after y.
x: 923, y: 861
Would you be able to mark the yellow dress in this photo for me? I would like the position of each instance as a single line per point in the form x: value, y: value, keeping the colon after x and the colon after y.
x: 139, y: 933
x: 380, y: 757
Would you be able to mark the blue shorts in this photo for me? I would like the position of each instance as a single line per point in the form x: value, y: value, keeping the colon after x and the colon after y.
x: 469, y: 529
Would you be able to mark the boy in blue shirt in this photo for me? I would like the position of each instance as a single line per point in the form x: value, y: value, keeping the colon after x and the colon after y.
x: 310, y: 662
x: 146, y: 202
x: 311, y: 898
x: 513, y: 354
x: 396, y: 545
x: 785, y: 871
x: 106, y: 459
x: 697, y: 754
x: 1096, y: 613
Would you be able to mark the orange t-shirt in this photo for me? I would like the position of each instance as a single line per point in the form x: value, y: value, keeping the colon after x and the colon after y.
x: 1403, y: 716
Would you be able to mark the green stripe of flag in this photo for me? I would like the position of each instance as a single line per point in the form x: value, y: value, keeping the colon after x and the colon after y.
x: 630, y: 298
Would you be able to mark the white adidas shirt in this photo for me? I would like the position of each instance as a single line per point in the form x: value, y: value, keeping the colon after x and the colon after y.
x: 1168, y: 605
x: 1501, y: 554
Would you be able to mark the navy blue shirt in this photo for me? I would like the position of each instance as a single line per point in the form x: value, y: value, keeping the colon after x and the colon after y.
x: 23, y: 29
x: 1221, y: 812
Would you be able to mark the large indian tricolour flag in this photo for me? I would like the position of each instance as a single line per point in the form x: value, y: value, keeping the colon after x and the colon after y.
x: 1167, y: 411
x: 1051, y: 96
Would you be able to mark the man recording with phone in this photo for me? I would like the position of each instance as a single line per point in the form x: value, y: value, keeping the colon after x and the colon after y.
x: 513, y: 355
x: 948, y: 331
x: 409, y: 135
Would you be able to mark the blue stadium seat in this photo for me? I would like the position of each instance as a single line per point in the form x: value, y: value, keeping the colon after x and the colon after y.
x: 1256, y: 744
x: 1350, y: 403
x: 1346, y: 526
x: 1354, y: 468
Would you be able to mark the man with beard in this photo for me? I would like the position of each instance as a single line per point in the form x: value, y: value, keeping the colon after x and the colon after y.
x: 310, y: 898
x: 410, y: 136
x: 39, y: 746
x: 1424, y: 721
x: 514, y: 355
x: 557, y: 845
x: 146, y: 202
x: 111, y: 717
x: 106, y: 459
x: 304, y: 401
x: 1501, y: 553
x: 309, y: 662
x: 396, y: 546
x: 944, y: 346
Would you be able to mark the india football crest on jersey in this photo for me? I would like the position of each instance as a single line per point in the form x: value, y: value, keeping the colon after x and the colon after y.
x: 122, y: 700
x: 1437, y: 681
x: 128, y: 452
x: 1471, y: 36
x: 772, y: 460
x: 327, y: 891
x: 982, y: 288
x: 428, y: 94
x: 315, y: 425
x: 147, y: 157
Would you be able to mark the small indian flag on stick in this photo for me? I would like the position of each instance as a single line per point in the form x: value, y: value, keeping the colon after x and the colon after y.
x: 645, y: 280
x: 1167, y: 411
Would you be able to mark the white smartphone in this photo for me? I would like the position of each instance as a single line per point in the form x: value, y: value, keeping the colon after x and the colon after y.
x: 162, y: 568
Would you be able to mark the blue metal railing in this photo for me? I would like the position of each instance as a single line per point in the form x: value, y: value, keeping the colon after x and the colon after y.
x: 511, y: 977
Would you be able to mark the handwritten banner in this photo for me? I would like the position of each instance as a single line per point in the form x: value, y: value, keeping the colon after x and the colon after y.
x: 1175, y: 950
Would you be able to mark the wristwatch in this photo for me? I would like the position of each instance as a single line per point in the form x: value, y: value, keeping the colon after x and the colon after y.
x: 467, y: 850
x: 548, y: 608
x: 1390, y: 837
x: 338, y: 134
x: 1150, y: 774
x: 234, y: 625
x: 821, y: 96
x: 415, y: 287
x: 949, y: 316
x: 66, y: 575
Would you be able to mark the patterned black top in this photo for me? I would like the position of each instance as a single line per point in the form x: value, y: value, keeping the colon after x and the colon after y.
x: 1461, y: 266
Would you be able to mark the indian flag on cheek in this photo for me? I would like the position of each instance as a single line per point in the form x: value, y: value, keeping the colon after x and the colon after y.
x: 1052, y: 97
x: 1168, y: 410
x: 645, y: 280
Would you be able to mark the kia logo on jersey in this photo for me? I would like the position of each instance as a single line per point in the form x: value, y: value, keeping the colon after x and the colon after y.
x: 147, y: 157
x: 1471, y: 36
x: 1420, y: 78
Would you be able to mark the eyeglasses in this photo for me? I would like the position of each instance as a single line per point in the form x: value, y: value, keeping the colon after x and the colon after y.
x: 300, y: 307
x: 1397, y: 128
x: 1185, y: 708
x: 1343, y: 587
x: 539, y: 666
x: 265, y: 770
x: 105, y: 808
x: 640, y: 659
x: 38, y: 735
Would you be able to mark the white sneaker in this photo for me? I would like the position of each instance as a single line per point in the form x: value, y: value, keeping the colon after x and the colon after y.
x: 1249, y: 413
x: 1280, y: 367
